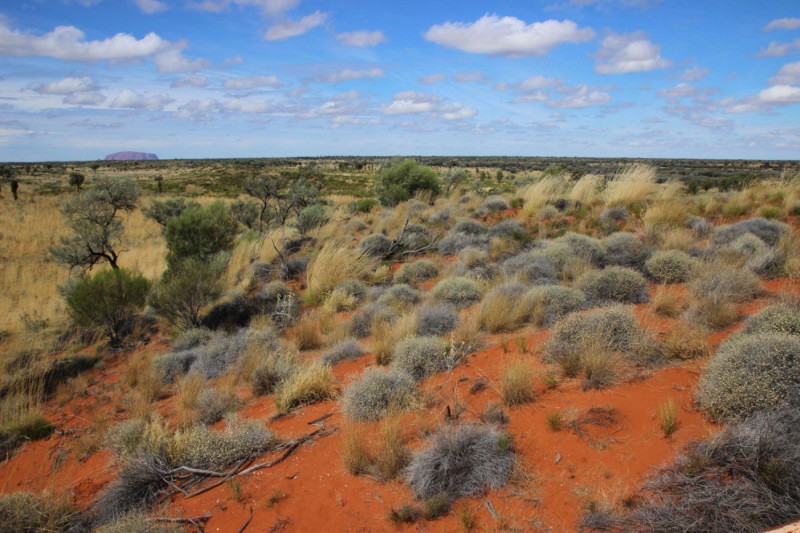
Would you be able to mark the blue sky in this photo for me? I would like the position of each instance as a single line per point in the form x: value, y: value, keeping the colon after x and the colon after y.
x: 258, y: 78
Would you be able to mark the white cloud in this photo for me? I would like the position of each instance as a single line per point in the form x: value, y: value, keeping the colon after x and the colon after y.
x: 361, y: 38
x: 788, y: 74
x: 467, y: 77
x: 580, y: 97
x: 780, y: 94
x: 151, y: 6
x: 530, y: 98
x: 68, y: 85
x: 535, y: 83
x: 432, y: 79
x: 626, y: 53
x: 129, y: 99
x: 69, y: 44
x: 694, y: 74
x: 507, y: 36
x: 457, y: 111
x: 776, y: 49
x: 173, y: 60
x: 255, y: 107
x: 783, y: 24
x: 252, y: 82
x: 682, y: 90
x: 292, y: 28
x: 350, y: 75
x: 410, y: 103
x: 85, y: 99
x: 197, y: 80
x: 268, y: 7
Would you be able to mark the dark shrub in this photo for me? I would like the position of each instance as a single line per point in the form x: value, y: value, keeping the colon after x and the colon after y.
x: 401, y: 181
x: 376, y: 245
x: 200, y: 232
x: 186, y: 288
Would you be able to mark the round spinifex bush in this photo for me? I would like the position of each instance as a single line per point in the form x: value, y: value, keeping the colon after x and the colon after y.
x: 508, y: 229
x: 551, y: 302
x: 352, y: 287
x: 583, y: 246
x: 361, y: 324
x: 612, y: 216
x: 558, y: 253
x: 495, y: 203
x: 769, y: 231
x: 437, y: 320
x: 376, y: 245
x: 343, y: 350
x: 459, y: 291
x: 461, y: 461
x: 401, y: 295
x: 782, y: 317
x: 376, y: 391
x: 614, y: 284
x: 469, y: 227
x: 724, y: 282
x: 455, y: 242
x: 532, y: 268
x: 751, y: 373
x: 422, y: 356
x: 671, y: 266
x: 625, y: 249
x: 415, y: 237
x: 416, y: 272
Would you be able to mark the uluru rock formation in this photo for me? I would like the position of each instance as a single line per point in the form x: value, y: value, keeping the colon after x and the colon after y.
x: 131, y: 156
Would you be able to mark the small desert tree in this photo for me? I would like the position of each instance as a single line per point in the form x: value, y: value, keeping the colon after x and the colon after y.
x: 96, y: 228
x: 200, y: 232
x: 401, y: 181
x: 186, y: 288
x: 164, y: 211
x: 76, y: 180
x: 266, y: 190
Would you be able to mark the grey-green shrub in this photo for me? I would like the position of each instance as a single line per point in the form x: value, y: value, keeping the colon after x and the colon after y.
x: 421, y: 357
x: 416, y: 272
x: 750, y: 373
x: 401, y: 295
x: 212, y: 405
x: 671, y: 266
x: 769, y: 231
x: 202, y: 447
x: 509, y: 229
x: 124, y: 438
x: 453, y: 243
x: 724, y: 282
x: 495, y: 203
x: 376, y: 245
x: 354, y: 288
x: 614, y: 284
x: 275, y: 367
x: 459, y: 291
x: 532, y: 268
x: 468, y: 226
x: 362, y: 322
x: 780, y: 317
x: 437, y: 320
x: 583, y: 246
x: 625, y: 249
x: 551, y: 302
x: 342, y: 351
x: 376, y: 391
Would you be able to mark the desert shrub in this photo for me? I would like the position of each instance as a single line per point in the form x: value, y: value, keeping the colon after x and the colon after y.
x: 762, y: 259
x: 363, y: 321
x: 671, y: 266
x: 551, y: 302
x: 416, y: 272
x: 163, y: 211
x: 214, y: 358
x: 310, y: 218
x: 532, y: 268
x: 275, y: 367
x: 509, y: 229
x: 547, y: 212
x: 136, y: 488
x: 376, y: 245
x: 780, y: 317
x: 212, y: 406
x: 186, y: 288
x: 436, y: 320
x: 583, y: 246
x: 559, y: 253
x: 294, y: 267
x: 767, y: 230
x: 278, y: 301
x: 110, y: 300
x: 468, y: 226
x: 422, y: 356
x: 191, y: 338
x: 699, y: 226
x: 27, y: 427
x: 245, y: 213
x: 137, y: 522
x: 401, y: 181
x: 312, y: 383
x: 504, y: 308
x: 342, y: 351
x: 453, y: 243
x: 495, y: 203
x: 400, y: 296
x: 614, y: 284
x: 23, y: 512
x: 202, y: 447
x: 363, y: 205
x: 440, y: 217
x: 459, y: 291
x: 124, y: 438
x: 625, y: 249
x: 716, y: 286
x: 612, y: 217
x: 200, y: 232
x: 415, y: 237
x: 745, y: 478
x: 750, y: 373
x: 354, y: 288
x: 461, y: 461
x: 376, y: 392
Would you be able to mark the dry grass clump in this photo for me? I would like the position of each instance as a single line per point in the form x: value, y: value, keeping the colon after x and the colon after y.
x: 378, y: 392
x: 684, y: 343
x: 716, y: 288
x: 517, y: 382
x: 461, y: 461
x: 267, y: 369
x: 23, y: 512
x: 334, y: 263
x: 671, y: 266
x: 667, y: 302
x: 459, y: 291
x: 306, y: 334
x: 312, y: 383
x: 437, y: 320
x: 369, y: 317
x: 137, y: 522
x: 384, y: 461
x: 750, y: 373
x: 544, y: 191
x: 551, y: 302
x: 416, y: 272
x: 504, y: 308
x: 421, y: 357
x: 631, y: 185
x: 586, y: 189
x: 614, y: 284
x: 745, y: 479
x: 625, y: 249
x: 400, y: 296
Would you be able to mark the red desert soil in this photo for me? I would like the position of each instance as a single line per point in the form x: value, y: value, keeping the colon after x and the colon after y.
x: 563, y: 471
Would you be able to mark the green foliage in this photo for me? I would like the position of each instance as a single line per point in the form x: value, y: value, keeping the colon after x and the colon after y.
x: 186, y: 288
x: 76, y: 179
x: 245, y: 213
x: 200, y: 233
x: 164, y: 211
x: 401, y: 181
x: 363, y: 205
x: 109, y: 300
x: 311, y: 217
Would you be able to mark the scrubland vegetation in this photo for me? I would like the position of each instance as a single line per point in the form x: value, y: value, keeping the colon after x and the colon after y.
x: 236, y: 332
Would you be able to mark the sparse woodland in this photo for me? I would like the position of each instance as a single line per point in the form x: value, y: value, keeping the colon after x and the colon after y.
x: 476, y: 344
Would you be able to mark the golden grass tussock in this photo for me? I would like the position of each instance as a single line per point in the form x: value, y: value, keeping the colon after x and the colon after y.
x: 586, y: 188
x: 631, y: 185
x: 313, y: 383
x: 335, y: 263
x: 517, y: 382
x: 547, y: 189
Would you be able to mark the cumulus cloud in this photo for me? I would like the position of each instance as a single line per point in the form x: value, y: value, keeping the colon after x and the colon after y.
x: 694, y: 74
x: 788, y: 74
x: 350, y: 75
x: 776, y: 49
x: 173, y: 60
x: 580, y: 97
x: 411, y: 102
x: 783, y: 24
x: 245, y: 105
x: 150, y: 6
x: 197, y: 80
x: 361, y: 39
x: 780, y: 94
x: 508, y: 36
x: 68, y: 85
x: 532, y: 97
x: 85, y: 99
x: 432, y: 79
x: 682, y: 90
x: 292, y: 28
x: 252, y: 82
x: 467, y: 77
x: 534, y: 83
x: 268, y: 7
x: 129, y: 99
x: 626, y: 53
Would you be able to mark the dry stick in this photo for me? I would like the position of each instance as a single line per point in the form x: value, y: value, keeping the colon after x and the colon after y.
x: 244, y: 526
x: 219, y: 482
x: 320, y: 419
x: 322, y: 432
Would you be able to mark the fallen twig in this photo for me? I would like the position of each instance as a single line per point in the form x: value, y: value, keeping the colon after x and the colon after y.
x: 244, y: 526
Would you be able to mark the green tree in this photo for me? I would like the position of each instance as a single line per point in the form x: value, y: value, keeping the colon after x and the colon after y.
x: 401, y: 181
x: 187, y: 287
x: 246, y: 213
x: 200, y: 232
x: 164, y: 211
x: 76, y: 179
